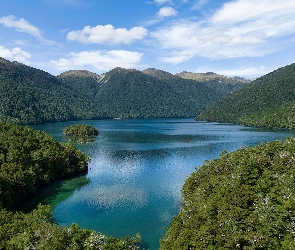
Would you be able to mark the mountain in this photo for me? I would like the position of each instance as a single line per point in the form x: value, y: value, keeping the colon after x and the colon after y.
x: 212, y: 77
x: 29, y: 95
x: 269, y: 101
x: 82, y: 81
x: 130, y: 93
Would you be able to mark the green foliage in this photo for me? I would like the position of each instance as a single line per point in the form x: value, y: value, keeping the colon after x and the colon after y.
x: 80, y: 130
x: 266, y: 102
x: 135, y: 94
x: 31, y: 158
x: 29, y: 96
x: 37, y: 230
x: 81, y: 133
x: 82, y: 81
x: 243, y: 200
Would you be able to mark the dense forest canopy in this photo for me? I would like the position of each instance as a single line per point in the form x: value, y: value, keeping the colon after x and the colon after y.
x: 80, y: 130
x: 269, y: 101
x: 30, y: 159
x: 29, y: 95
x: 243, y: 200
x: 38, y: 230
x: 81, y: 133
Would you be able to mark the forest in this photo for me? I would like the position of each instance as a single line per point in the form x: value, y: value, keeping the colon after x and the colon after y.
x: 81, y: 133
x: 242, y: 200
x: 30, y: 159
x: 269, y: 101
x: 30, y: 96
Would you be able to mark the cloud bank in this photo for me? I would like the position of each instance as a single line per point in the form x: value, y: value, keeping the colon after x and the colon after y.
x: 231, y: 32
x: 99, y: 60
x: 107, y: 34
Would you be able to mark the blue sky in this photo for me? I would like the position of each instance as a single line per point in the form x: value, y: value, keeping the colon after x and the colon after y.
x: 246, y: 38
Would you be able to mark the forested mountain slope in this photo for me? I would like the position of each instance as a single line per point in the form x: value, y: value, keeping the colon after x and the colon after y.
x: 30, y: 95
x: 133, y: 94
x: 211, y: 76
x: 129, y: 93
x: 269, y: 101
x: 82, y: 81
x: 242, y: 200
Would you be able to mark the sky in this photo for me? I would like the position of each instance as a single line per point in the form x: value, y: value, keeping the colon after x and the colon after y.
x: 247, y: 38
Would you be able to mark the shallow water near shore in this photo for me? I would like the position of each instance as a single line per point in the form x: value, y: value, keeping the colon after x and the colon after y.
x: 137, y: 170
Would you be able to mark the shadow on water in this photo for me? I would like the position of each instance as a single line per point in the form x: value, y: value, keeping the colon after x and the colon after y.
x: 54, y: 193
x: 144, y: 245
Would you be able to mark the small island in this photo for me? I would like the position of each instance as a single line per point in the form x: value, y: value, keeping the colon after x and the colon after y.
x: 81, y: 133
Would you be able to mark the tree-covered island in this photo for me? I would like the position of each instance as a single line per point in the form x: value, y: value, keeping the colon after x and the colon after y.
x: 81, y: 133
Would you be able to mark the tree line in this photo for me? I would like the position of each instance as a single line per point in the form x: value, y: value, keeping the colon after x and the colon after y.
x: 30, y: 159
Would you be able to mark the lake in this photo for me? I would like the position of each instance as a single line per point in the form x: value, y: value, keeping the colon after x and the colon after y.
x: 137, y: 170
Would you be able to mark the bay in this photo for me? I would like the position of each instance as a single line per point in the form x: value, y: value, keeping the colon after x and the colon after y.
x: 137, y: 170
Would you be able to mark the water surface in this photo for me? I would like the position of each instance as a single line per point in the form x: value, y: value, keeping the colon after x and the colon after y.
x: 137, y: 170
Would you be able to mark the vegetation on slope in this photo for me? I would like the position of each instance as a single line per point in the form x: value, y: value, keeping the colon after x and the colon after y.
x: 82, y: 81
x: 211, y: 76
x: 269, y: 101
x: 30, y: 95
x: 243, y: 200
x: 150, y: 93
x: 38, y: 230
x: 81, y: 133
x: 28, y: 160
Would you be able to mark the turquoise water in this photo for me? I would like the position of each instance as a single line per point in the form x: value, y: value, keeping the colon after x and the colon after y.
x: 137, y: 170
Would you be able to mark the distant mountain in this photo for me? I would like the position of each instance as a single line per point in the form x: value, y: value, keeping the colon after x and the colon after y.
x: 211, y: 76
x: 269, y: 101
x: 161, y: 74
x: 29, y: 95
x: 82, y: 81
x: 130, y: 93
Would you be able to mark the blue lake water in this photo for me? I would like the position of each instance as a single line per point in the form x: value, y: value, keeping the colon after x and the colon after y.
x: 137, y: 170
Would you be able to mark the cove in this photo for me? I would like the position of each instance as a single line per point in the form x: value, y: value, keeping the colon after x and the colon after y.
x: 137, y: 170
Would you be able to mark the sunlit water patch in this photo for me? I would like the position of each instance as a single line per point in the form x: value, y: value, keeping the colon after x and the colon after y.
x: 138, y: 168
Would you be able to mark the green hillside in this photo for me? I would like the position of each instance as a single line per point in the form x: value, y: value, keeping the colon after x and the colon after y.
x: 242, y: 200
x: 269, y: 101
x: 30, y: 159
x: 82, y: 81
x: 123, y: 93
x: 30, y: 95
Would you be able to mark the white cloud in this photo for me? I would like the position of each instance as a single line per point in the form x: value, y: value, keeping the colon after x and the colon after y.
x: 98, y: 60
x: 167, y: 11
x: 107, y: 35
x: 243, y: 28
x: 199, y: 4
x: 162, y: 1
x: 15, y: 54
x: 21, y: 25
x: 21, y: 42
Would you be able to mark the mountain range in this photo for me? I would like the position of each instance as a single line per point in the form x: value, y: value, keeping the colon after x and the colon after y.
x: 268, y: 101
x: 29, y: 95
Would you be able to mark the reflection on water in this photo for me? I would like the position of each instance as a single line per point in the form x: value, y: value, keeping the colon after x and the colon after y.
x: 138, y: 168
x: 55, y: 193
